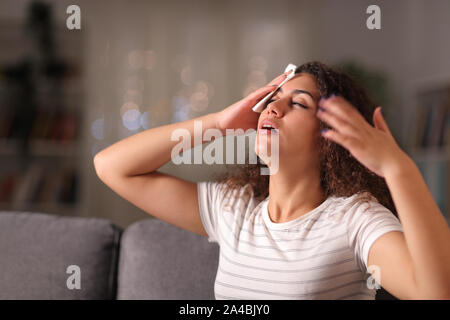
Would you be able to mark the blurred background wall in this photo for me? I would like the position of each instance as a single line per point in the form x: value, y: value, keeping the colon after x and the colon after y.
x: 67, y: 94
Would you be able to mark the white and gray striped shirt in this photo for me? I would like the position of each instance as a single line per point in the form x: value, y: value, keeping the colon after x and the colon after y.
x: 320, y: 255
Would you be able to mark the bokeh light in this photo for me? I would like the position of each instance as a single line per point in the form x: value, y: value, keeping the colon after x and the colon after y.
x: 98, y: 128
x: 136, y: 59
x: 257, y: 76
x: 133, y: 96
x: 131, y: 119
x: 144, y: 120
x: 180, y: 105
x: 198, y: 101
x: 129, y: 105
x: 186, y: 76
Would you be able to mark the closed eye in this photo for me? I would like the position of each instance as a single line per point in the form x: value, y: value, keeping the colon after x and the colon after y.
x: 299, y: 104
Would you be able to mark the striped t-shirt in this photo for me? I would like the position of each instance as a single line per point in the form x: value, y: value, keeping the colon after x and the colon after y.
x: 319, y: 255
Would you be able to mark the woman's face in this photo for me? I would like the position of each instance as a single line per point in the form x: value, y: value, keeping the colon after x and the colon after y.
x: 292, y: 109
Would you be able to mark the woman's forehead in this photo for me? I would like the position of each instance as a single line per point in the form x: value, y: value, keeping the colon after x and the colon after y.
x: 302, y: 81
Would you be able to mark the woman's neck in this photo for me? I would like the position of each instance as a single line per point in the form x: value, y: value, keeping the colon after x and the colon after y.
x: 294, y: 193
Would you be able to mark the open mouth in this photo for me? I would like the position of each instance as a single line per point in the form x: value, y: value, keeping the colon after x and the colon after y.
x: 268, y: 129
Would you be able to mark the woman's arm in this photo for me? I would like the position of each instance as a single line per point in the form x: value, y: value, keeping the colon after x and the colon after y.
x: 422, y: 255
x: 426, y: 231
x: 129, y: 166
x: 148, y: 150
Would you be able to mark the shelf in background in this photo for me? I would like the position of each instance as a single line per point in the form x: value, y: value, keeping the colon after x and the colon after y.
x: 43, y: 173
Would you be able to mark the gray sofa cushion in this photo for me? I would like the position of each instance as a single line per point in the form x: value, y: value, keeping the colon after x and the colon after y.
x: 161, y: 261
x: 36, y: 249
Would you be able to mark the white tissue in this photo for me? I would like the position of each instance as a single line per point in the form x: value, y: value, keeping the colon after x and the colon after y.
x: 260, y: 106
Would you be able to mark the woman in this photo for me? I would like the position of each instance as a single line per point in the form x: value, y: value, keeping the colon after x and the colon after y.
x: 318, y: 226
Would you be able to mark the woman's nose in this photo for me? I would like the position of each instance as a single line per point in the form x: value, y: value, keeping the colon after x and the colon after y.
x: 275, y: 108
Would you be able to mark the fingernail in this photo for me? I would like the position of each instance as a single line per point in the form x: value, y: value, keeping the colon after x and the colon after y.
x: 381, y: 111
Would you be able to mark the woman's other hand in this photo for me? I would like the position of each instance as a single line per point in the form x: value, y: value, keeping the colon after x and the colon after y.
x: 373, y: 146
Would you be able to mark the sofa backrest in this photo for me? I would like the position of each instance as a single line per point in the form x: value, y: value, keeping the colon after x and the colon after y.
x: 161, y: 261
x: 43, y: 256
x: 156, y: 261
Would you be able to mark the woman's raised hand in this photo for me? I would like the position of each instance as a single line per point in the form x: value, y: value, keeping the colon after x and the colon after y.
x: 240, y: 114
x: 373, y: 146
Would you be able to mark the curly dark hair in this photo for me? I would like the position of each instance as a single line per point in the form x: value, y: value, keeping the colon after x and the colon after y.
x: 340, y: 173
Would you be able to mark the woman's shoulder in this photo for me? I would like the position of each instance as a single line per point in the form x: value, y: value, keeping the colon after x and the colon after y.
x: 357, y: 199
x: 355, y: 206
x: 230, y: 197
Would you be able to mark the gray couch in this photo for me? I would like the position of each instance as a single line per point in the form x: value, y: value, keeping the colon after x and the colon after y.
x: 150, y: 259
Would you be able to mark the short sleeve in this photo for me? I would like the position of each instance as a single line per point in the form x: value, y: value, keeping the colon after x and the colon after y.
x: 366, y: 223
x: 210, y: 197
